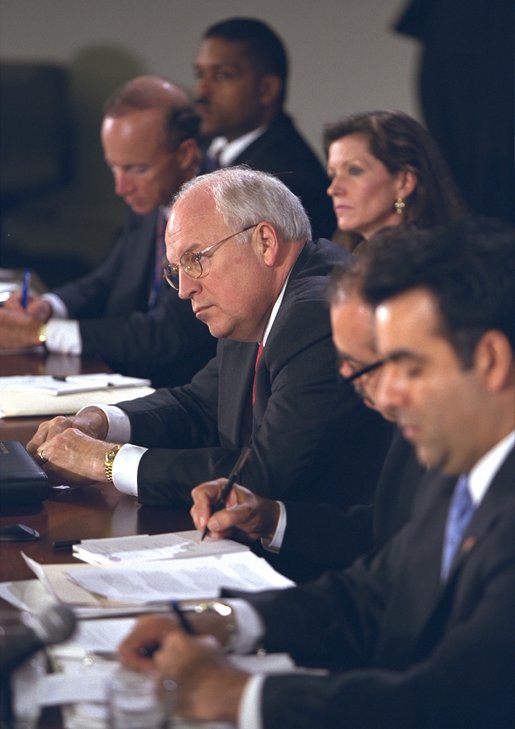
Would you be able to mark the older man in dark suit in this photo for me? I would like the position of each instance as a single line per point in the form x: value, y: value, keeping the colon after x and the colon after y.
x: 421, y: 634
x: 239, y: 247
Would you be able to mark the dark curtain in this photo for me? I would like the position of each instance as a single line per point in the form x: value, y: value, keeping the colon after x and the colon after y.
x: 466, y: 89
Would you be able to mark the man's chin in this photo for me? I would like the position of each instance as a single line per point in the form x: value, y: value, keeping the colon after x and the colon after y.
x: 141, y: 208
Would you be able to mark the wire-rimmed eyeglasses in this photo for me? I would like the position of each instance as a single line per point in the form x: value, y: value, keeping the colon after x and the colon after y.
x: 191, y: 261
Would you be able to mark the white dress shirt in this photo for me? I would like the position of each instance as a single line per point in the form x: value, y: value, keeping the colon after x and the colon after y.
x: 226, y: 152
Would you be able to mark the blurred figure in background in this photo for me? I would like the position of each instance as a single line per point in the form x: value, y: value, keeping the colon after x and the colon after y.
x: 466, y: 89
x: 386, y: 170
x: 121, y: 312
x: 242, y: 74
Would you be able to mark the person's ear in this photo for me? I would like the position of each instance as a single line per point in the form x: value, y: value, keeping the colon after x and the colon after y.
x: 188, y: 154
x: 267, y: 243
x: 493, y: 360
x: 270, y: 88
x: 407, y: 182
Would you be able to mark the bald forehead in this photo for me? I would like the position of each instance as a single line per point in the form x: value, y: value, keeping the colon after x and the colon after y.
x: 353, y: 324
x: 147, y: 126
x: 194, y: 223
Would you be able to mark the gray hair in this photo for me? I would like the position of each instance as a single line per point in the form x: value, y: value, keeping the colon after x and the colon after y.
x: 243, y: 197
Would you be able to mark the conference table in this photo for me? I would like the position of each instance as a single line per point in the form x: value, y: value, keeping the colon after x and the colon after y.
x: 77, y: 512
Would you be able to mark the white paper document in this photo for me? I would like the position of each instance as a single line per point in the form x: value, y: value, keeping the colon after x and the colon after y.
x: 198, y: 577
x: 69, y: 384
x: 18, y: 399
x: 115, y: 551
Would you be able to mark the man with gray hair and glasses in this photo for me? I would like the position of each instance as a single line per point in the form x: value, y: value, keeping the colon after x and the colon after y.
x: 239, y: 248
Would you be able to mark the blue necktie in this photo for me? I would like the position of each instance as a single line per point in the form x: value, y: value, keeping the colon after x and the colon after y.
x: 458, y: 518
x: 159, y: 259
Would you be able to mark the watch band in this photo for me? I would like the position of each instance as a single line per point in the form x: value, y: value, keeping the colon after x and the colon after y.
x: 42, y: 334
x: 109, y: 460
x: 219, y: 607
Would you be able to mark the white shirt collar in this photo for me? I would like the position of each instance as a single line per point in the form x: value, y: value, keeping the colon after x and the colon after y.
x: 228, y: 151
x: 275, y: 310
x: 482, y: 474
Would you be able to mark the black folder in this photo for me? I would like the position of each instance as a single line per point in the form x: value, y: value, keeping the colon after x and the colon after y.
x: 22, y: 480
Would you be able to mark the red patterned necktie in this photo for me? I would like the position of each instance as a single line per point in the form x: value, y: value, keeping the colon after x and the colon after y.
x: 258, y: 357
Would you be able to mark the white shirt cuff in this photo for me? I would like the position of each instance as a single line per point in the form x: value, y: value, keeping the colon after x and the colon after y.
x: 125, y: 469
x: 59, y: 310
x: 249, y: 710
x: 250, y: 628
x: 126, y: 463
x: 63, y: 335
x: 275, y: 544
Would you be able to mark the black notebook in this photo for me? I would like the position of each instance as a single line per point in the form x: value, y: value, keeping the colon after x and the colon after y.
x: 22, y: 480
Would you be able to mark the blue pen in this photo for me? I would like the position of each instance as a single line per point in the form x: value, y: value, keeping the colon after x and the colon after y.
x: 25, y: 288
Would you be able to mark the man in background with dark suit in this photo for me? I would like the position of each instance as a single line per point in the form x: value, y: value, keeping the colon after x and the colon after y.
x: 242, y: 72
x: 121, y: 312
x: 421, y: 634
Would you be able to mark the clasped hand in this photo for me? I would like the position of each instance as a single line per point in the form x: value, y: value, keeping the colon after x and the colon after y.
x: 68, y: 447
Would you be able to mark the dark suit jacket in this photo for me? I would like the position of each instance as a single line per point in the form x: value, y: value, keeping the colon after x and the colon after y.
x: 319, y: 537
x: 309, y: 430
x: 282, y: 151
x: 166, y: 343
x: 406, y: 651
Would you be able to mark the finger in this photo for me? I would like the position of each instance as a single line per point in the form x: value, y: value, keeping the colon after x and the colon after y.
x: 38, y: 439
x: 138, y: 648
x: 204, y: 496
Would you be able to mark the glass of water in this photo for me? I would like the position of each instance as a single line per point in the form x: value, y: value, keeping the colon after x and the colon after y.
x: 134, y: 701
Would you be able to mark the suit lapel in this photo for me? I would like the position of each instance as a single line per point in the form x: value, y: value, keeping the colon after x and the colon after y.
x: 132, y: 289
x: 484, y: 520
x: 486, y: 514
x: 236, y: 374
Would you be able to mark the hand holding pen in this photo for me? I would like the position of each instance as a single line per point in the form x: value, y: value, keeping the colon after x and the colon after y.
x: 222, y: 500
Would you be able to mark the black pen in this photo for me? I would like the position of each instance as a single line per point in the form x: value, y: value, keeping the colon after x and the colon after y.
x: 147, y: 651
x: 220, y: 504
x: 65, y: 544
x: 185, y: 623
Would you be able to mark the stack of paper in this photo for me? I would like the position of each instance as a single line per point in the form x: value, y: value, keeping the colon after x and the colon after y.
x: 152, y: 570
x: 34, y: 395
x: 147, y: 548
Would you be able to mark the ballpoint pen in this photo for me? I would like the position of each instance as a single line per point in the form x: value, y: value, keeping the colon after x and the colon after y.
x: 228, y: 486
x: 148, y: 651
x: 185, y: 623
x: 25, y: 288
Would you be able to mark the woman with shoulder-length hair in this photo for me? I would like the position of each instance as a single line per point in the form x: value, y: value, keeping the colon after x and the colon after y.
x: 386, y: 170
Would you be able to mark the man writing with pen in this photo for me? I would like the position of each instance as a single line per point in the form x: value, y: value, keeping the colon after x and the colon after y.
x: 239, y: 248
x: 303, y: 540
